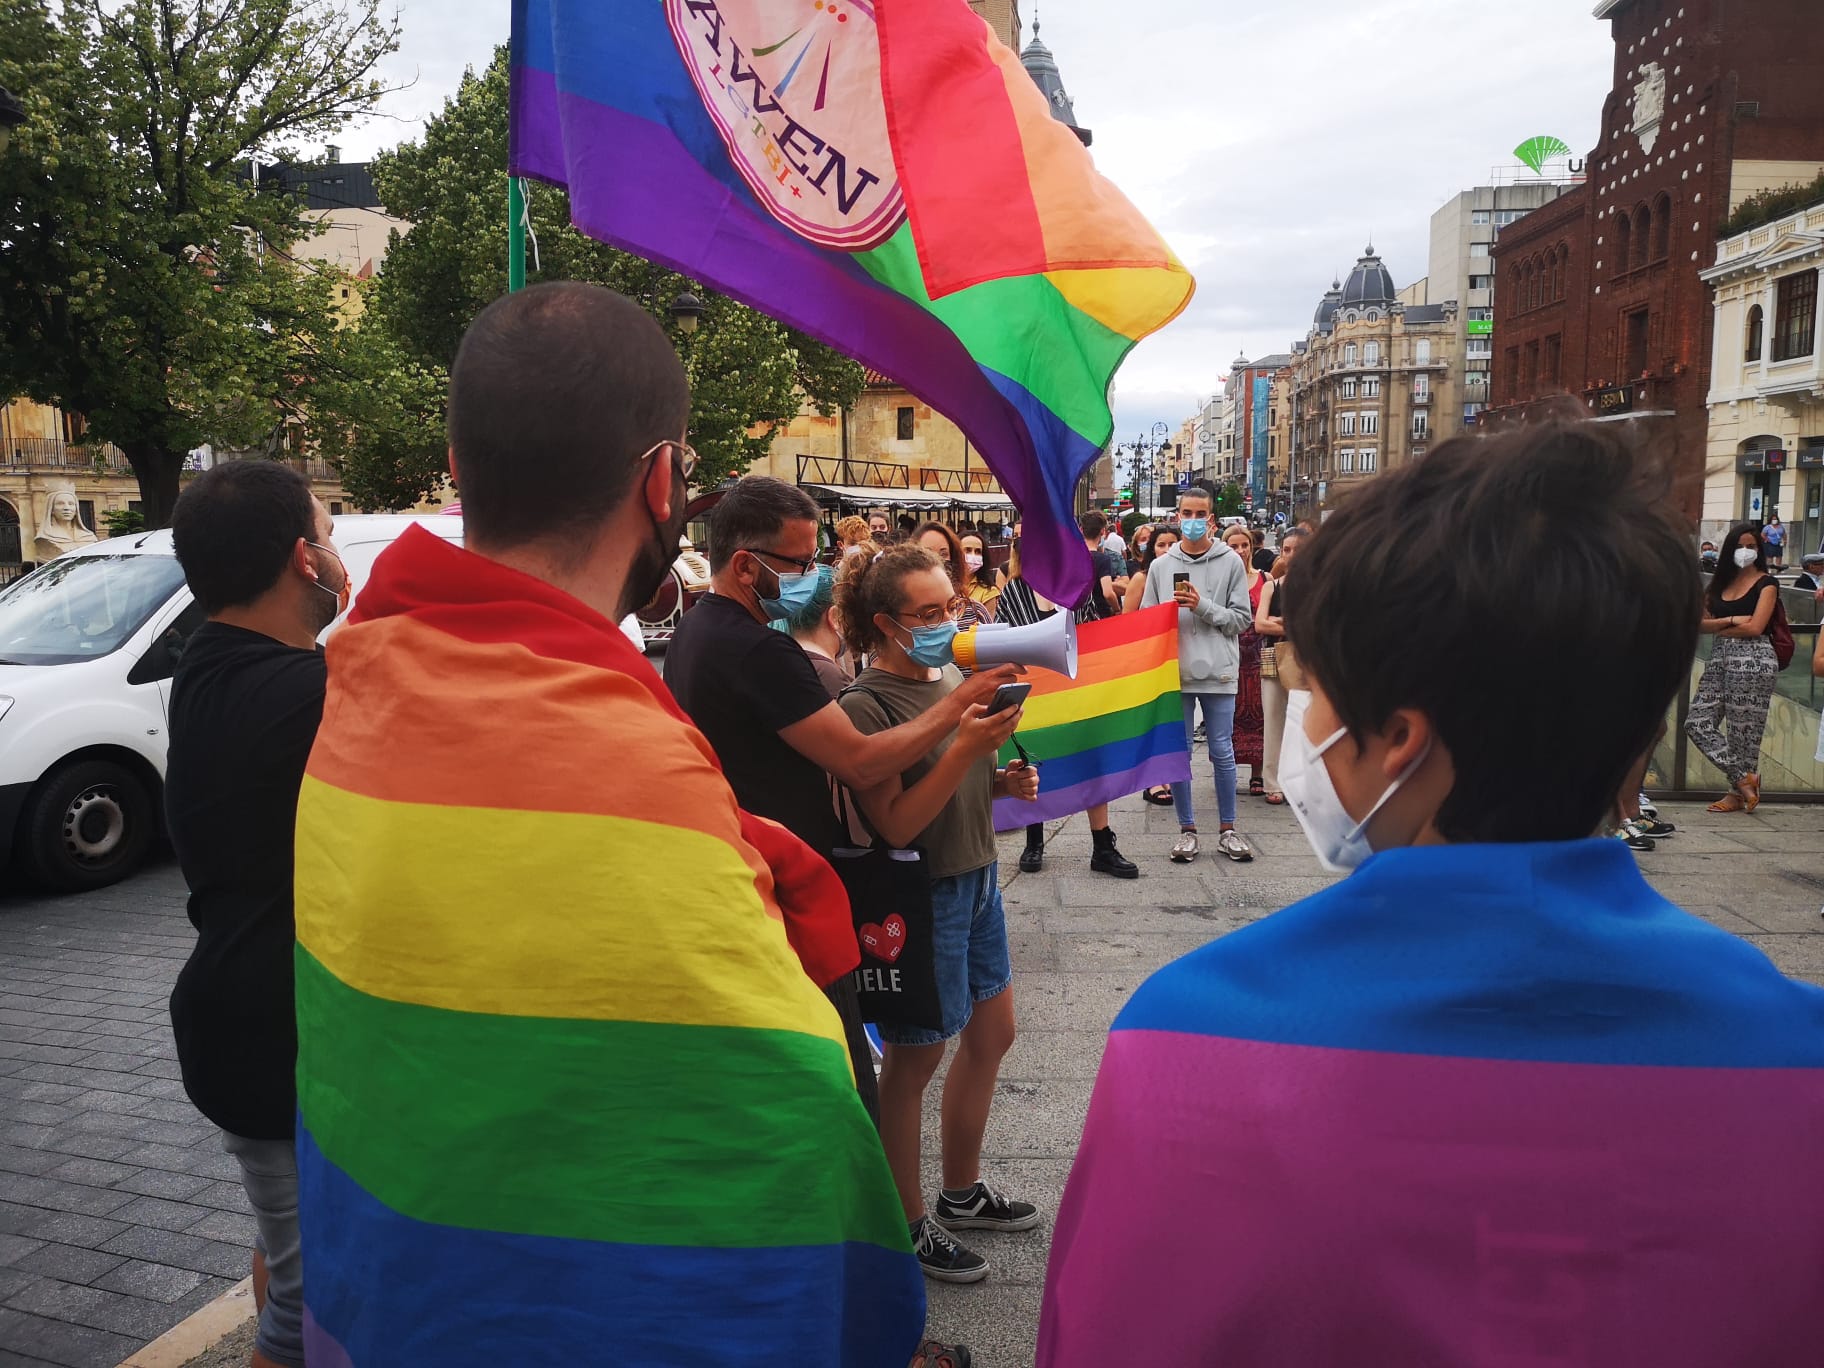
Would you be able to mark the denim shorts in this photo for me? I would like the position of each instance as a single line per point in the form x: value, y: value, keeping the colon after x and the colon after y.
x: 973, y: 965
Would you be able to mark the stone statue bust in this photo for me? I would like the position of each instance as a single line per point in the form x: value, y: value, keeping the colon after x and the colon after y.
x: 62, y: 529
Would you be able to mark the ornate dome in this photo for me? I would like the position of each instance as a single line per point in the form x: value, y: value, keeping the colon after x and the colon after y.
x: 1327, y: 307
x: 1043, y: 68
x: 1369, y: 283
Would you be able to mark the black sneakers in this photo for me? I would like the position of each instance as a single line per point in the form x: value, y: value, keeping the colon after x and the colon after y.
x: 942, y: 1257
x: 1652, y: 826
x: 985, y: 1209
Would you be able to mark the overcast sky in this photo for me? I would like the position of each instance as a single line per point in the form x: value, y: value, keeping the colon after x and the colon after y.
x: 1267, y: 142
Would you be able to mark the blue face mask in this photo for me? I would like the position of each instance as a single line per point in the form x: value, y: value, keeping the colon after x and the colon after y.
x: 932, y: 646
x: 796, y: 592
x: 1195, y: 529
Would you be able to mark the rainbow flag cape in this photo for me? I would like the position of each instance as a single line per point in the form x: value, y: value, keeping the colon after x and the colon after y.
x: 881, y: 174
x: 1472, y: 1105
x: 565, y: 1093
x: 1115, y: 729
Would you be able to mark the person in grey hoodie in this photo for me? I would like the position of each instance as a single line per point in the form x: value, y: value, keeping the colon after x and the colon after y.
x: 1209, y: 584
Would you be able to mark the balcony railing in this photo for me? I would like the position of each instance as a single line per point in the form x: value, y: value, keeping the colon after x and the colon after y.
x: 55, y: 454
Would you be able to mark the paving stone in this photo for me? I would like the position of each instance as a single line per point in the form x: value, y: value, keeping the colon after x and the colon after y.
x: 68, y: 1263
x: 63, y: 1343
x: 161, y: 1214
x: 180, y: 1250
x: 153, y: 1281
x: 179, y: 1187
x: 95, y: 1308
x: 94, y: 1172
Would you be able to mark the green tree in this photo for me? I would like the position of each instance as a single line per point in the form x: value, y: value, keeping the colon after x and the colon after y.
x: 145, y: 277
x: 749, y: 373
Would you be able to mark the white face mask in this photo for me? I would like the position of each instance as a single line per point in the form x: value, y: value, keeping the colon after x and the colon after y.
x: 1336, y: 838
x: 972, y: 560
x: 1746, y: 556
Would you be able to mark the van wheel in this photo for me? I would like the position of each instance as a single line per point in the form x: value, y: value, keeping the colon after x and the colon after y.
x: 87, y: 825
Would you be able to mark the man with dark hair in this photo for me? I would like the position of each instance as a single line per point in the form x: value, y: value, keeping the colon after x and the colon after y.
x: 245, y: 702
x: 1108, y: 572
x: 756, y: 696
x: 1490, y: 1099
x: 1210, y: 586
x: 568, y: 1090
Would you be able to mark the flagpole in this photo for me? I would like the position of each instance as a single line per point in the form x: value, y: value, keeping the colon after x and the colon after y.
x: 516, y: 234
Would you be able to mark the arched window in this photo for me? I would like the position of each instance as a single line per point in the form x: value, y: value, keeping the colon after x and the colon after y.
x: 1643, y: 233
x: 1757, y: 324
x: 1526, y: 300
x: 1559, y: 260
x: 1662, y: 228
x: 1624, y: 230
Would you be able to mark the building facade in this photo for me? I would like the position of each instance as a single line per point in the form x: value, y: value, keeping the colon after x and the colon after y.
x: 1601, y: 293
x: 1463, y: 233
x: 1368, y: 386
x: 1766, y: 403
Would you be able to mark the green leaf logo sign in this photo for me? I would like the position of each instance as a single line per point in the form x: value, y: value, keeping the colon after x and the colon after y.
x: 1536, y: 152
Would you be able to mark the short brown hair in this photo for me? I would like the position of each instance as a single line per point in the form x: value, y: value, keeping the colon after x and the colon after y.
x: 874, y: 586
x: 852, y: 529
x: 1566, y: 549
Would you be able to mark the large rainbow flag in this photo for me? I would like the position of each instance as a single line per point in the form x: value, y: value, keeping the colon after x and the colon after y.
x: 1494, y: 1104
x: 1115, y: 729
x: 885, y: 176
x: 566, y: 1094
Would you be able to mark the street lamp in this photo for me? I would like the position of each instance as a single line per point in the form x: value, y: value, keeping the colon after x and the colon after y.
x: 12, y: 114
x: 686, y: 309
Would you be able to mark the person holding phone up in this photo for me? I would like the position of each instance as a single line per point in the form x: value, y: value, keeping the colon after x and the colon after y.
x: 1209, y: 584
x: 903, y: 609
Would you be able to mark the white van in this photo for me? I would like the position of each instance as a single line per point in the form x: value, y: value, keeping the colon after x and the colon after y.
x: 88, y: 644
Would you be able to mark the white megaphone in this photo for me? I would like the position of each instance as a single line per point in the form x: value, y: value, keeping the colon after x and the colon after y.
x: 1050, y: 645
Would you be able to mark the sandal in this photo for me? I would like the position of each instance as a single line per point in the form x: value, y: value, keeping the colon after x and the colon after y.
x: 1159, y: 795
x: 1750, y: 789
x: 1257, y: 787
x: 1276, y: 800
x: 1729, y: 802
x: 935, y: 1354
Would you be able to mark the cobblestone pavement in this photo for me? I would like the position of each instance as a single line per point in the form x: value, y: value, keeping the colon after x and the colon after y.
x: 119, y: 1213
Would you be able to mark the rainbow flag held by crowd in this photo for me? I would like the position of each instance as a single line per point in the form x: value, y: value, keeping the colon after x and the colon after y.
x: 1115, y: 729
x: 881, y: 174
x: 566, y: 1094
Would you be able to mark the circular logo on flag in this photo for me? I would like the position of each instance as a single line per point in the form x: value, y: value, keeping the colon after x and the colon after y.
x: 794, y: 88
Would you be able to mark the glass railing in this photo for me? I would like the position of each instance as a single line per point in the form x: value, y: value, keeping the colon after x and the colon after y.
x: 1789, y: 767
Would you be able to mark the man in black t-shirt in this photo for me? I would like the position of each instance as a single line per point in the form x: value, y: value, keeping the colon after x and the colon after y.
x: 755, y: 695
x: 245, y: 703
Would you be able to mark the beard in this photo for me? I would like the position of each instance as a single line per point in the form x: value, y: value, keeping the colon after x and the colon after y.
x: 646, y: 576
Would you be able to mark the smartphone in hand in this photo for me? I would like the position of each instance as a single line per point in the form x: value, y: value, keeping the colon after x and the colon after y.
x: 1007, y: 696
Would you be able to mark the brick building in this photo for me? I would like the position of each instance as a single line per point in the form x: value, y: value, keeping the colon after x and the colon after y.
x: 1598, y: 294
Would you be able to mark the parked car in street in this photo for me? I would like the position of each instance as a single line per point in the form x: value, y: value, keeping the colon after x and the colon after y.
x: 88, y: 644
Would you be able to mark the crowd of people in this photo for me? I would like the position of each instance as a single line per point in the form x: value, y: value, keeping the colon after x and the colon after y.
x: 575, y: 1068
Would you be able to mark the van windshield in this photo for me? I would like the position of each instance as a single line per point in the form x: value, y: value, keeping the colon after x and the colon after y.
x: 82, y: 607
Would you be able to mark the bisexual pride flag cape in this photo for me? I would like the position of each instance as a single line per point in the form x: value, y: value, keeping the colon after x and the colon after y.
x: 1471, y: 1105
x: 881, y: 174
x: 1115, y: 729
x: 566, y: 1095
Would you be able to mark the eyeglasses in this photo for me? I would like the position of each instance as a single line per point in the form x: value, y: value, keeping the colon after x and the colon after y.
x: 802, y: 567
x: 937, y: 617
x: 687, y: 455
